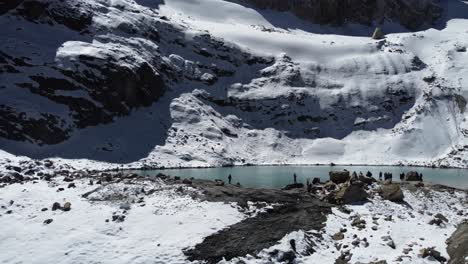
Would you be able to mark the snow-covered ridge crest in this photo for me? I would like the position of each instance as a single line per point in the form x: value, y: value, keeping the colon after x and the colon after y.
x: 170, y: 83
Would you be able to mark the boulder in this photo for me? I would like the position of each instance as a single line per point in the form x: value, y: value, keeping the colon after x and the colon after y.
x: 316, y: 181
x: 187, y: 181
x: 339, y: 176
x: 66, y: 206
x: 338, y: 236
x: 367, y: 180
x: 392, y: 192
x: 352, y: 193
x: 56, y: 206
x: 431, y: 252
x: 412, y: 176
x: 359, y: 223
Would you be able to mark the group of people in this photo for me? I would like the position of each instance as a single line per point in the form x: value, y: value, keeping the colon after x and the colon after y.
x: 386, y: 176
x: 355, y: 175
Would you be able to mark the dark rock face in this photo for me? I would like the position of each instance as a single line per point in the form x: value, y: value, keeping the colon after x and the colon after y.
x: 457, y: 244
x: 46, y: 129
x: 41, y: 11
x: 411, y: 14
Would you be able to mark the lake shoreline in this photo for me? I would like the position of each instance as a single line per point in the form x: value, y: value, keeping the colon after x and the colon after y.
x: 144, y: 168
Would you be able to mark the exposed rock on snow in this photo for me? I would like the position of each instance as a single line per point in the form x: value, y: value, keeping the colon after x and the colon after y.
x: 458, y: 245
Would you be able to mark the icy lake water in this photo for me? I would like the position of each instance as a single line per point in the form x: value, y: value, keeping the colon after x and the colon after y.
x: 279, y: 176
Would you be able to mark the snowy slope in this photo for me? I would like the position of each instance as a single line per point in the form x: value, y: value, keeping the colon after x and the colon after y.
x: 226, y: 84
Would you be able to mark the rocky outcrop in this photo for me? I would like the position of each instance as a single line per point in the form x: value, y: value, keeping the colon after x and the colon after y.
x: 411, y: 14
x: 457, y: 244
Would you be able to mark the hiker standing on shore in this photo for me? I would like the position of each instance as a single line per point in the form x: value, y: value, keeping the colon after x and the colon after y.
x: 229, y: 178
x: 295, y: 178
x: 380, y: 175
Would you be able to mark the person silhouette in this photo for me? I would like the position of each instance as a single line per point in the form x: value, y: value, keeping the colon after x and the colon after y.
x: 295, y: 178
x: 229, y: 178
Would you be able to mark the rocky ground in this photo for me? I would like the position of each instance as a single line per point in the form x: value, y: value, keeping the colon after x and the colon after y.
x: 103, y: 217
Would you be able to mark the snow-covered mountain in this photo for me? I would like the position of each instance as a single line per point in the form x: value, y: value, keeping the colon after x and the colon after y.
x: 212, y: 82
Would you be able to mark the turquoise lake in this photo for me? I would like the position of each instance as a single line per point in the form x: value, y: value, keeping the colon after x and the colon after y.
x: 279, y: 176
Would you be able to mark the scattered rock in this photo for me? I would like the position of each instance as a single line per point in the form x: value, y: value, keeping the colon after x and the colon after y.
x: 66, y: 206
x: 56, y: 206
x: 118, y: 218
x: 359, y: 223
x: 389, y: 241
x: 391, y: 244
x: 441, y: 217
x: 125, y: 206
x: 71, y: 185
x: 48, y: 221
x: 68, y: 179
x: 338, y: 236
